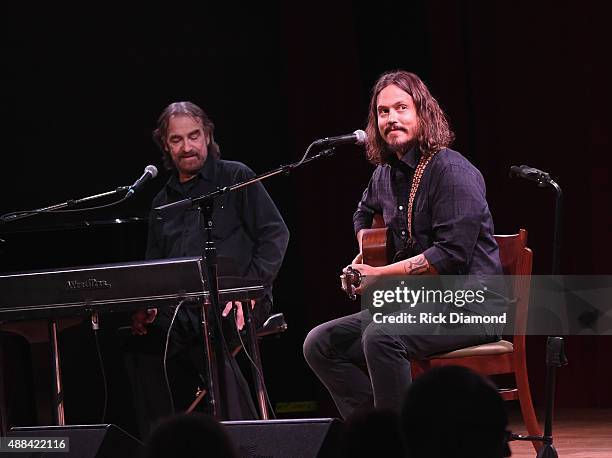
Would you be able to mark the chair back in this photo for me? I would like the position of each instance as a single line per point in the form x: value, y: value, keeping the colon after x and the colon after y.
x: 517, y: 259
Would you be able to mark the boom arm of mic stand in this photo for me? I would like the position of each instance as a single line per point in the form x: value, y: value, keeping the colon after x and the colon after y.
x: 172, y: 209
x: 543, y: 180
x: 69, y: 203
x: 282, y: 169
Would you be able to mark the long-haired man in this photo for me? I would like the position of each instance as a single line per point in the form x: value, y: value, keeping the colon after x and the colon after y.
x: 433, y: 200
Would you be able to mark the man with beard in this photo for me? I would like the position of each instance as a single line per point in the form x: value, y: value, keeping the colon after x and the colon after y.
x: 433, y: 200
x: 249, y: 234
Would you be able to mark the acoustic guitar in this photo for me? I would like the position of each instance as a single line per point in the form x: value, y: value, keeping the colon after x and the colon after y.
x: 377, y: 244
x: 376, y: 249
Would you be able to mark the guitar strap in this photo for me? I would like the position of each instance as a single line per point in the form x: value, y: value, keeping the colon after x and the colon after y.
x: 416, y: 181
x: 410, y: 247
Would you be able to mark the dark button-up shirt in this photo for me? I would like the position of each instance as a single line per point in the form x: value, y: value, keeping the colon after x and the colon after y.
x: 248, y: 228
x: 451, y: 225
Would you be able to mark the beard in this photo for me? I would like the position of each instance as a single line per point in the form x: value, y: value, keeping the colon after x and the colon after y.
x: 190, y: 162
x: 398, y: 149
x: 401, y: 147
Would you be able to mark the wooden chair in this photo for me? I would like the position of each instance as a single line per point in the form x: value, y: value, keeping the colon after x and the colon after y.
x: 503, y: 357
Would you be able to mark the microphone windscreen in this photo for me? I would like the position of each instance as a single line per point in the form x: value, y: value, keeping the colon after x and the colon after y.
x: 361, y: 137
x: 152, y: 170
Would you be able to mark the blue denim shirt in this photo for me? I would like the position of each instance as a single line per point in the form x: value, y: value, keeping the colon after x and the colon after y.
x: 452, y: 225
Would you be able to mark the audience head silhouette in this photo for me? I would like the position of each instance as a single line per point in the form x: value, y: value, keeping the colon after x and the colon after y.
x: 369, y: 433
x: 188, y: 436
x: 453, y: 412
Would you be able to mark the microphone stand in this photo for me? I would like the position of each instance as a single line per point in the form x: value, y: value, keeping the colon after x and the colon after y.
x: 172, y: 209
x: 211, y: 334
x: 555, y: 351
x: 555, y: 347
x: 556, y: 262
x: 69, y: 203
x: 57, y: 398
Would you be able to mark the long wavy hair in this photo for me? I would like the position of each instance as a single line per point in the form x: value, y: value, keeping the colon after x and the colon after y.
x: 434, y: 132
x: 183, y: 109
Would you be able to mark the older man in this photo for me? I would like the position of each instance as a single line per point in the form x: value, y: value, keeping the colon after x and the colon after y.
x: 249, y: 232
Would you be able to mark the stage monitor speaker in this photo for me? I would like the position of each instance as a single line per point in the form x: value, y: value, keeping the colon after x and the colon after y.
x: 300, y: 438
x: 85, y: 441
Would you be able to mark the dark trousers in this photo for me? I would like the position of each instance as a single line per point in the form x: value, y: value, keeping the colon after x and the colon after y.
x: 364, y: 364
x: 150, y: 392
x: 186, y: 369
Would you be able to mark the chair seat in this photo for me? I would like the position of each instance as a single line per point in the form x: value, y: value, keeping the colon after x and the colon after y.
x: 492, y: 348
x: 275, y: 324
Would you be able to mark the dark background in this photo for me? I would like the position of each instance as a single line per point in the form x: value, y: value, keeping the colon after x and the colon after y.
x: 522, y: 83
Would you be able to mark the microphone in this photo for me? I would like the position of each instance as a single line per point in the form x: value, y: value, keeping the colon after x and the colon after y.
x: 529, y: 173
x: 150, y: 172
x: 356, y: 138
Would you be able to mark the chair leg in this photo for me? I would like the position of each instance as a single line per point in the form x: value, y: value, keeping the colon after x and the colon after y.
x: 3, y: 403
x: 525, y: 401
x: 257, y: 371
x: 196, y: 401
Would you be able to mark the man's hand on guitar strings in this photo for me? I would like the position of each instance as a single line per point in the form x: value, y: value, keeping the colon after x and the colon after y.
x: 365, y: 271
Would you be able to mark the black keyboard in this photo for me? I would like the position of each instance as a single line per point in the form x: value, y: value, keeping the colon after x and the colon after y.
x: 112, y: 287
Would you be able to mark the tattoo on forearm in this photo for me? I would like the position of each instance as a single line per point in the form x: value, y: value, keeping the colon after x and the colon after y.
x: 418, y: 265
